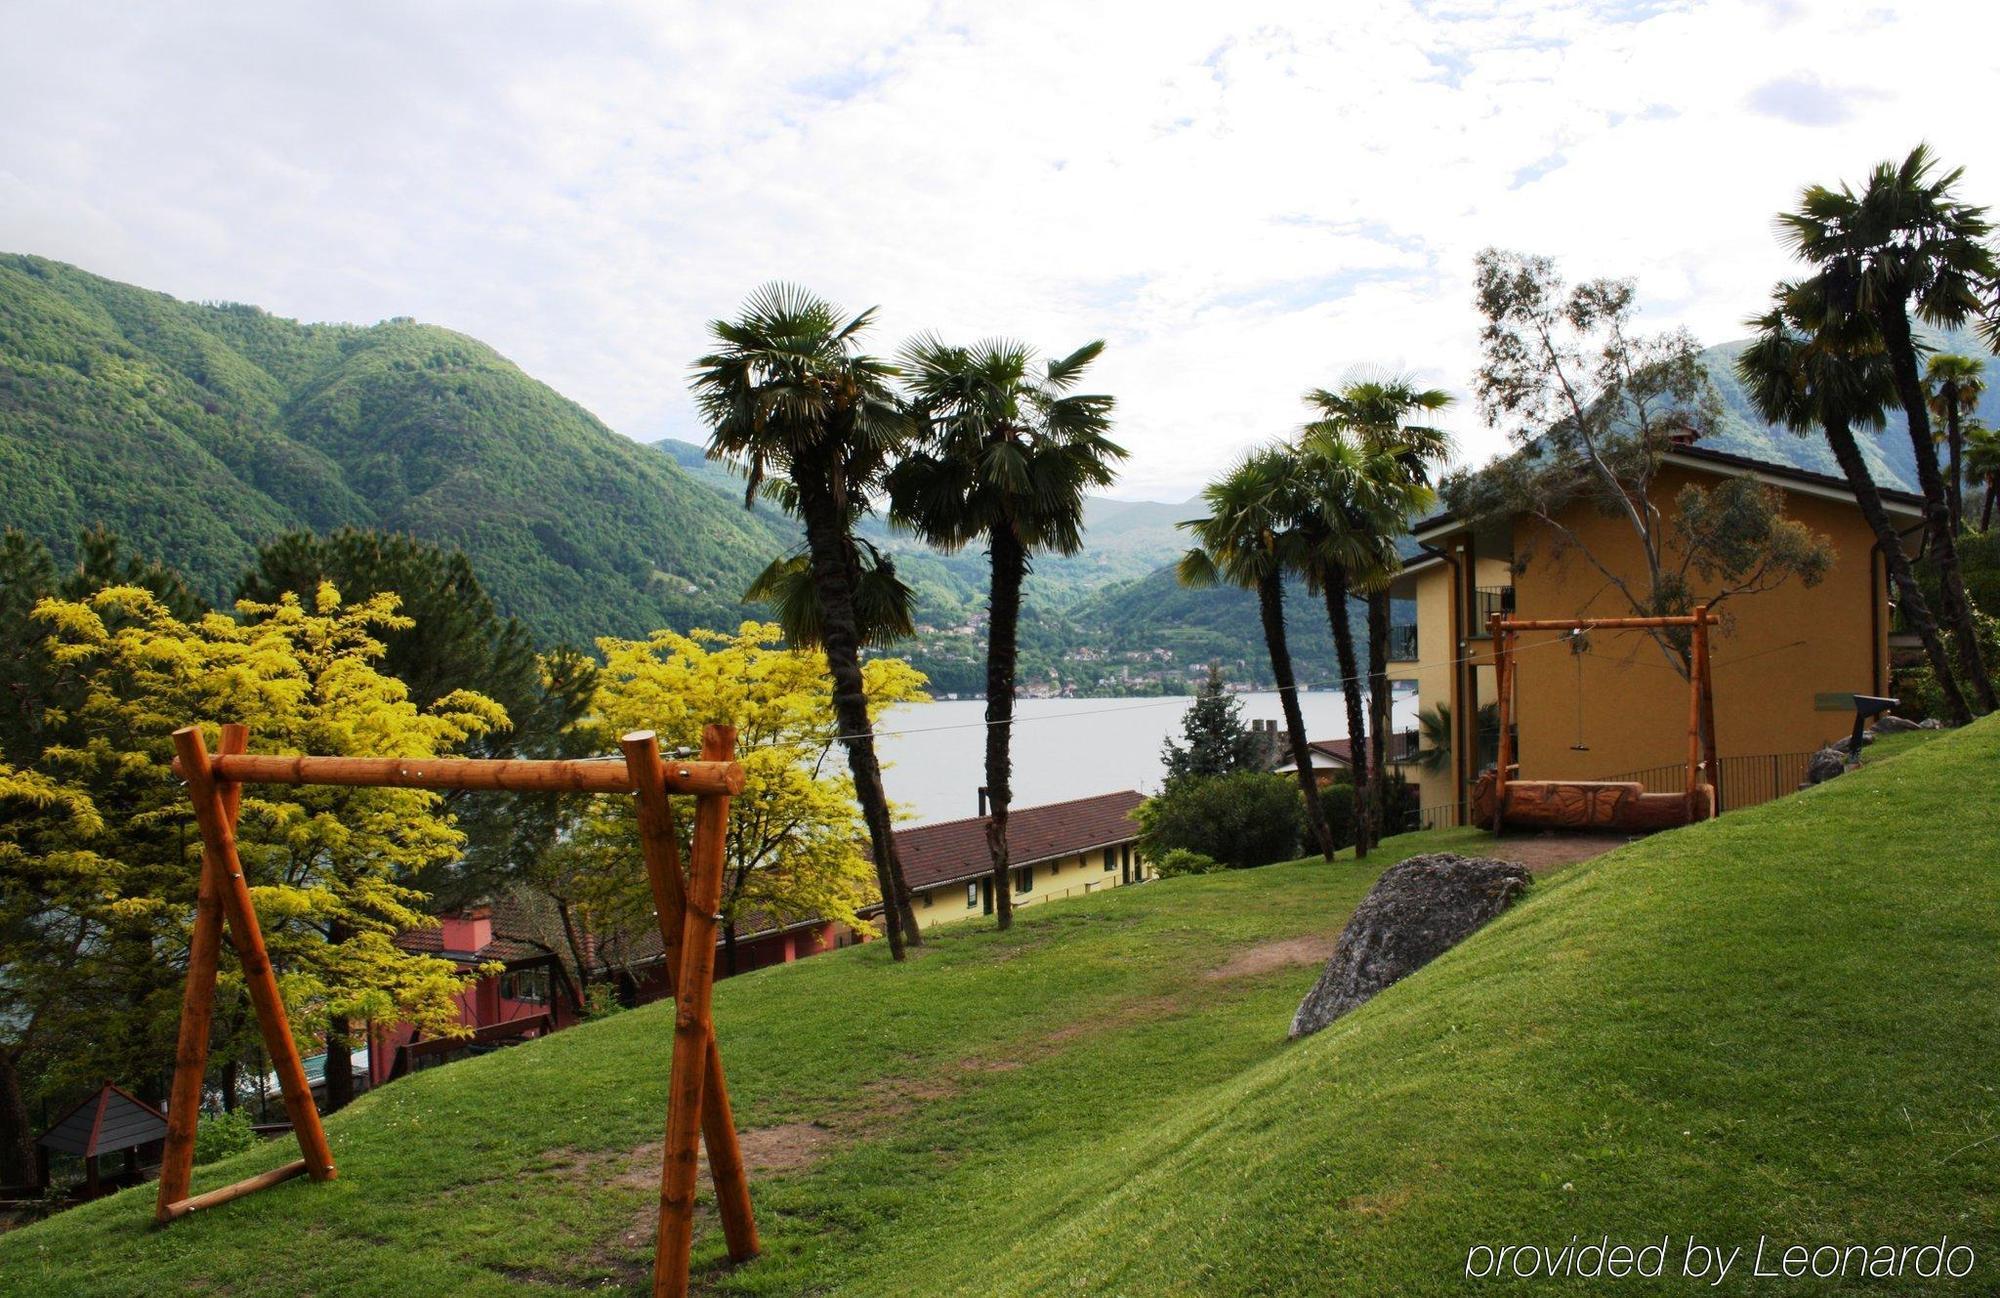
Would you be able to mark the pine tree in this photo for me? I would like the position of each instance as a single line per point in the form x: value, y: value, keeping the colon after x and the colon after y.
x: 1218, y: 743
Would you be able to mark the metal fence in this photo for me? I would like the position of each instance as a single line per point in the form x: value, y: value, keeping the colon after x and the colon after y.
x: 1744, y: 782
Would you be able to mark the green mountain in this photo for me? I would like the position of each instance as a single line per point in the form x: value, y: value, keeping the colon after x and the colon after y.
x: 200, y: 431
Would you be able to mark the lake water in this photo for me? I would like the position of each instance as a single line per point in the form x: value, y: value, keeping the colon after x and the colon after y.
x: 1063, y: 748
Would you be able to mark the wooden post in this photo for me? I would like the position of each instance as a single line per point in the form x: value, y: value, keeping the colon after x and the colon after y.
x: 663, y: 872
x: 1694, y: 732
x: 197, y: 1012
x: 1702, y: 665
x: 218, y: 840
x: 1503, y: 668
x: 693, y: 1031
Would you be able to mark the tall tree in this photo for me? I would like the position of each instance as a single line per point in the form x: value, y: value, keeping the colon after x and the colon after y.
x: 1907, y: 243
x: 1386, y: 418
x: 1352, y: 507
x: 1594, y: 408
x: 1248, y: 539
x: 452, y: 633
x: 1808, y: 372
x: 1982, y: 464
x: 1214, y: 738
x: 1008, y: 450
x: 1954, y: 386
x: 788, y: 389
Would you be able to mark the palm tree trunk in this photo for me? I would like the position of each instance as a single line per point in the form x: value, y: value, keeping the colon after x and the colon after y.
x: 1271, y: 605
x: 1986, y: 511
x: 1378, y: 706
x: 1916, y: 611
x: 1954, y: 481
x: 1350, y: 688
x: 1957, y: 610
x: 1004, y: 617
x: 841, y: 641
x: 339, y: 1071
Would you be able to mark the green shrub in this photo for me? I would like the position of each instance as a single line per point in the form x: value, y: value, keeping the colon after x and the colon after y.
x: 218, y: 1135
x: 1181, y: 861
x: 1241, y: 820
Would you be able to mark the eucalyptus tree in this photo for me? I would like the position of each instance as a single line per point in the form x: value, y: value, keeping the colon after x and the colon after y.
x: 1350, y: 511
x: 1385, y: 418
x: 789, y: 394
x: 1008, y: 450
x: 1250, y: 539
x: 1905, y: 243
x: 1955, y: 386
x: 1809, y: 373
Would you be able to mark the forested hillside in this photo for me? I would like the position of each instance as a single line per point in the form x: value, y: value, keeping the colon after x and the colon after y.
x: 198, y: 432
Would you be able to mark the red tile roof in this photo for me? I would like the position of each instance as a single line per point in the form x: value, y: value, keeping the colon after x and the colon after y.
x: 1402, y: 746
x: 956, y: 849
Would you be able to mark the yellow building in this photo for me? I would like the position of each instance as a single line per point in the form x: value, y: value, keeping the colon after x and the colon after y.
x: 1787, y: 661
x: 1058, y: 849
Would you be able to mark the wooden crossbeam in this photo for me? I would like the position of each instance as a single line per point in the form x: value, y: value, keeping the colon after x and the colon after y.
x: 515, y: 775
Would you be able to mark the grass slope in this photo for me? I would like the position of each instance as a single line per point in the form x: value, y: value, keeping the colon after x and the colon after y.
x: 1780, y: 1023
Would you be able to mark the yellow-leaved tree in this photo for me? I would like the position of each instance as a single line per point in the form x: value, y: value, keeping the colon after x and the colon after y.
x: 796, y: 838
x: 335, y: 872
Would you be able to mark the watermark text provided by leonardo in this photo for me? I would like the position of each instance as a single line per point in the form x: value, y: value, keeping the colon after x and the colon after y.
x: 1695, y: 1258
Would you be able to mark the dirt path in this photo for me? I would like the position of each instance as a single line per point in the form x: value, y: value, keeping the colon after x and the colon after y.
x: 1548, y: 851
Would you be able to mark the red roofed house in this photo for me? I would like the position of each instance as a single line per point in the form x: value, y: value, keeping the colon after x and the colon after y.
x: 1059, y: 849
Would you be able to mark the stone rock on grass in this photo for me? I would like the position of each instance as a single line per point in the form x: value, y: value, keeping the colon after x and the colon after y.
x: 1419, y: 909
x: 1891, y: 724
x: 1826, y: 763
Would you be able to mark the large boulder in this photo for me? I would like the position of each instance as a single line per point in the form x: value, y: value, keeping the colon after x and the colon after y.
x: 1419, y: 909
x: 1826, y: 763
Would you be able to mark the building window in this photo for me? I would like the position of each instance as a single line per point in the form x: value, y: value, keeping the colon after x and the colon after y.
x: 1110, y: 859
x: 530, y: 985
x: 1024, y: 879
x: 971, y: 895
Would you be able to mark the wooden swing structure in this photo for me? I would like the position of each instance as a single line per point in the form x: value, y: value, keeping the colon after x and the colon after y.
x: 1504, y: 802
x: 698, y: 1096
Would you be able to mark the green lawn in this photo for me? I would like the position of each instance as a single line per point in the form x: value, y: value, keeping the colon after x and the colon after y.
x: 1781, y: 1023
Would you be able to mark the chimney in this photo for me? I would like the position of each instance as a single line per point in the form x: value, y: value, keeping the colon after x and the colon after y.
x: 468, y: 931
x: 982, y: 802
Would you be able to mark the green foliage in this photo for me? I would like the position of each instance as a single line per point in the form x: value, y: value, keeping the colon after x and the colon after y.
x: 1248, y: 819
x: 249, y: 426
x: 1217, y: 741
x: 218, y: 1135
x: 1180, y: 861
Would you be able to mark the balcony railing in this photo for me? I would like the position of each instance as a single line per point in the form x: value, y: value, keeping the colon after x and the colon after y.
x: 1402, y: 644
x: 1486, y: 601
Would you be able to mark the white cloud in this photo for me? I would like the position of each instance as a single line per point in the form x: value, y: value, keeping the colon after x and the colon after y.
x: 1245, y: 203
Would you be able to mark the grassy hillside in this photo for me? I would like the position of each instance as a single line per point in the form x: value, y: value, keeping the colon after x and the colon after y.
x: 1781, y: 1023
x: 200, y: 431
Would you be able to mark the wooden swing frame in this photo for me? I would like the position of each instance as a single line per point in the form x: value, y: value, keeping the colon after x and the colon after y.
x: 698, y: 1096
x: 1509, y: 803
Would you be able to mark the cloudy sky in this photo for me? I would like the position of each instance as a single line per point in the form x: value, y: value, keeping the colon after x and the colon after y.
x: 1244, y: 199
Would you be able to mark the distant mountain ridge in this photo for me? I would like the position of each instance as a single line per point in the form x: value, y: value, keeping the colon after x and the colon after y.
x: 199, y: 431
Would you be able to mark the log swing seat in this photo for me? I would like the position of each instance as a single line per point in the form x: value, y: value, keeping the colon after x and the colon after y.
x: 698, y: 1096
x: 1502, y: 801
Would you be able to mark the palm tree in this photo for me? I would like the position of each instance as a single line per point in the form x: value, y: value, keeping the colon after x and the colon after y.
x: 788, y: 390
x: 1347, y: 521
x: 1982, y: 463
x: 1955, y: 389
x: 1435, y: 737
x: 1907, y: 242
x: 1248, y: 540
x: 1008, y: 451
x: 1807, y: 371
x: 1381, y: 414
